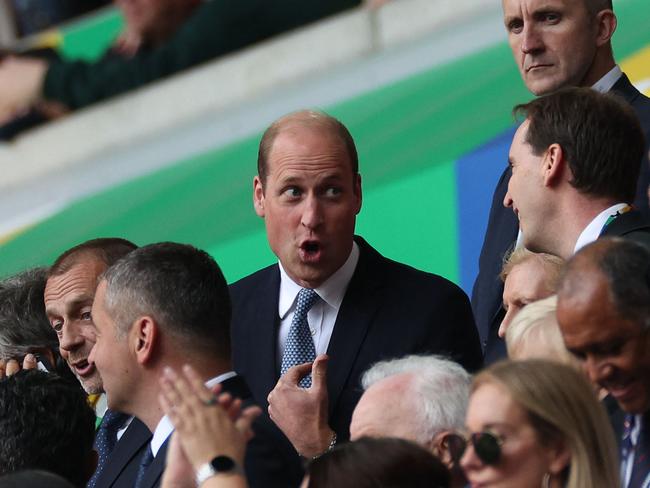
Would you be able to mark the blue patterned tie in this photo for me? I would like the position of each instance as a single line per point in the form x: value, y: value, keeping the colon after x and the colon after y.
x: 105, y: 440
x: 145, y: 461
x: 299, y: 348
x: 641, y: 467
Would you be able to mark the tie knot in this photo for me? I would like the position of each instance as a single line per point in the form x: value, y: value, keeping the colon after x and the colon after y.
x: 113, y: 420
x: 306, y: 299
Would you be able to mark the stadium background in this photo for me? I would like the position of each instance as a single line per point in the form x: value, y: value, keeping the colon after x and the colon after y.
x: 431, y: 147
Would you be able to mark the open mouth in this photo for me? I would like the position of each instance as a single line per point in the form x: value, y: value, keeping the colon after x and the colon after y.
x: 83, y: 367
x: 310, y: 251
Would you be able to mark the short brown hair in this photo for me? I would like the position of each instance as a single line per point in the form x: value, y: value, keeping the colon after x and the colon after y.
x: 307, y: 118
x: 600, y: 136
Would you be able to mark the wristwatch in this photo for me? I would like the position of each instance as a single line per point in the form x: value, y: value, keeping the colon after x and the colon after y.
x: 219, y: 464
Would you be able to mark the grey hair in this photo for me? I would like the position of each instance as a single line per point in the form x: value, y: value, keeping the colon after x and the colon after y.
x: 24, y: 326
x: 440, y: 389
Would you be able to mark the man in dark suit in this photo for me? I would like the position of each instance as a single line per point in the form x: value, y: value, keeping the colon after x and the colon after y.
x: 331, y: 292
x: 163, y: 305
x: 567, y: 44
x: 603, y: 311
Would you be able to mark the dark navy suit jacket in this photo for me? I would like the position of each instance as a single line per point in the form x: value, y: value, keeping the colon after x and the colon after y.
x: 123, y: 464
x: 389, y: 310
x: 502, y: 231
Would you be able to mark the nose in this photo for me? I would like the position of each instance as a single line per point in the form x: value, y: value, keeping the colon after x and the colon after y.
x: 506, y: 322
x: 71, y: 338
x: 531, y: 41
x: 597, y: 370
x: 312, y: 215
x: 507, y: 200
x: 469, y: 461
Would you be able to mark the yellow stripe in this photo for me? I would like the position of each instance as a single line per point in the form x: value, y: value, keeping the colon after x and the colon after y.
x: 637, y: 67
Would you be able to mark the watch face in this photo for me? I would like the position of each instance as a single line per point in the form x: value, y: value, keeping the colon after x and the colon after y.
x: 222, y: 464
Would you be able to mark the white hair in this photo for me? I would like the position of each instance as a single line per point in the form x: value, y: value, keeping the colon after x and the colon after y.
x: 440, y: 390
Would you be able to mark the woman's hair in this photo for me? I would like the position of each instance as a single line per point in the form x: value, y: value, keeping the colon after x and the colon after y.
x: 562, y: 407
x: 536, y: 326
x: 378, y: 463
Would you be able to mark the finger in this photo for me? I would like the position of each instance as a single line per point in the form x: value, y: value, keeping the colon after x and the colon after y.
x: 168, y: 389
x: 245, y: 421
x: 319, y: 372
x: 12, y: 367
x: 234, y: 410
x: 30, y: 362
x: 296, y: 373
x: 196, y: 382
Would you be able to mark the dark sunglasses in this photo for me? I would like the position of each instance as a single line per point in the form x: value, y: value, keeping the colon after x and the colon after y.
x: 487, y: 446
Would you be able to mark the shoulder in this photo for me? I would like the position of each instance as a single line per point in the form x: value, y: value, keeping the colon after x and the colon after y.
x: 251, y: 282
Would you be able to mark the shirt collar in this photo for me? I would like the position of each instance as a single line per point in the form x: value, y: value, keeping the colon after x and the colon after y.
x: 595, y: 227
x: 606, y: 83
x: 165, y: 428
x: 331, y: 291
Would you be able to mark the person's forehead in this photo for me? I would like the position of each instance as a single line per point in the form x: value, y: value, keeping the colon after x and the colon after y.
x: 80, y: 279
x: 519, y: 7
x: 309, y: 145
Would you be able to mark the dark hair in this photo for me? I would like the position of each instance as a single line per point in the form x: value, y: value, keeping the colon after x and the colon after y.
x: 33, y: 478
x: 47, y: 424
x: 600, y: 136
x: 106, y: 249
x: 23, y: 323
x: 378, y: 463
x: 595, y: 6
x: 181, y: 286
x: 305, y: 118
x: 626, y: 266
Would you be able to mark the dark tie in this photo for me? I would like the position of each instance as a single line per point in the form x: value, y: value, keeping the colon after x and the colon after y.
x: 299, y: 348
x: 147, y: 458
x: 641, y: 467
x: 105, y: 440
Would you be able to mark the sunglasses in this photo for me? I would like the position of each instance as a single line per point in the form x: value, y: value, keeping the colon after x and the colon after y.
x: 487, y: 446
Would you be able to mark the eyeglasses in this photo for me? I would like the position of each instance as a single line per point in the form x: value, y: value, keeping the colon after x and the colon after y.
x: 487, y: 446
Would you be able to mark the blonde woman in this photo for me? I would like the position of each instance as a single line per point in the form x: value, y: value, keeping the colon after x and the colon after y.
x: 537, y: 423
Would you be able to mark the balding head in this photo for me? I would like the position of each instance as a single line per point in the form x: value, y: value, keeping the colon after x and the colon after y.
x: 305, y: 120
x: 604, y: 314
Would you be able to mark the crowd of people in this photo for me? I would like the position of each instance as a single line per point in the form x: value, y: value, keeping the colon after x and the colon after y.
x: 127, y: 366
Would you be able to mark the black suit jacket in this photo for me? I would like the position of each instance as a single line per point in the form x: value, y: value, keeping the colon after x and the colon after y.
x: 389, y: 310
x: 502, y: 231
x: 124, y: 463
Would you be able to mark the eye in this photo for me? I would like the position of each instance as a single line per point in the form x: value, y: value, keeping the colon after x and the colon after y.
x: 333, y: 191
x: 581, y: 356
x: 57, y: 325
x: 551, y: 17
x: 292, y: 192
x: 86, y: 316
x: 515, y: 26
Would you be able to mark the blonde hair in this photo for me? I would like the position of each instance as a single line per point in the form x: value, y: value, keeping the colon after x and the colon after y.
x: 551, y: 264
x: 537, y: 323
x: 561, y: 406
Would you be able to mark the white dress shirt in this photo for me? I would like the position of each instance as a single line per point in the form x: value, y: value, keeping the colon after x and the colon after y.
x: 595, y: 227
x: 322, y: 315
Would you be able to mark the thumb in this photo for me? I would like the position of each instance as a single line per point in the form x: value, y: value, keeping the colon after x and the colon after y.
x: 296, y: 373
x: 319, y: 371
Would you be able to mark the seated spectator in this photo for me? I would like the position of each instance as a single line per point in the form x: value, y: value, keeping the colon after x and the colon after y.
x: 527, y: 277
x: 215, y: 28
x: 47, y: 424
x: 537, y: 423
x: 418, y: 398
x: 33, y: 478
x: 26, y: 336
x: 376, y: 463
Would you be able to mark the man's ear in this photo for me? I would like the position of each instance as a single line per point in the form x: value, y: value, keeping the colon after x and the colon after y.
x: 357, y: 192
x: 258, y: 196
x: 606, y: 22
x: 144, y: 337
x: 440, y: 448
x: 553, y: 165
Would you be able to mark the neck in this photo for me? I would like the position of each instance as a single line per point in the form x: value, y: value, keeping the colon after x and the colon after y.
x: 603, y: 64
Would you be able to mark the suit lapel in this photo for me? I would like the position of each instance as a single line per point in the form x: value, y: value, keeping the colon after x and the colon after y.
x: 155, y: 470
x: 624, y: 224
x: 358, y: 308
x: 263, y: 336
x: 625, y: 89
x: 130, y: 444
